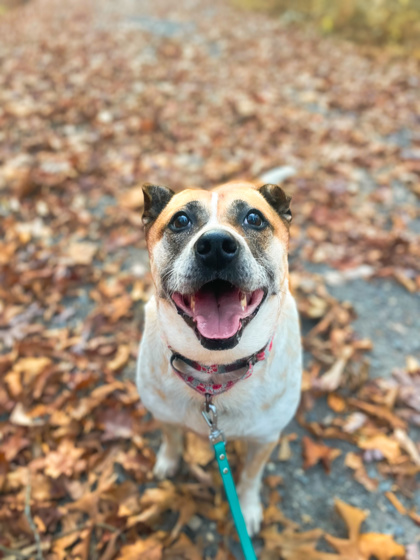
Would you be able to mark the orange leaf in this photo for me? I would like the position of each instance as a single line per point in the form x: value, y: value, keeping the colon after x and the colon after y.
x: 388, y: 446
x: 336, y: 403
x: 381, y: 412
x: 149, y: 549
x: 121, y: 358
x: 295, y: 546
x: 352, y: 517
x: 396, y: 503
x: 197, y: 450
x: 382, y: 547
x: 314, y: 453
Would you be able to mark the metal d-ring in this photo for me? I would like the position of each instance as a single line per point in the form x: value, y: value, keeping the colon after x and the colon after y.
x: 208, y: 402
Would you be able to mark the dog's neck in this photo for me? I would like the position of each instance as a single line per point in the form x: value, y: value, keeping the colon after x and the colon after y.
x: 216, y: 379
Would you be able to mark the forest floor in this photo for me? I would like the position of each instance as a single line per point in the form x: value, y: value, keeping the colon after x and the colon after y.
x: 98, y: 97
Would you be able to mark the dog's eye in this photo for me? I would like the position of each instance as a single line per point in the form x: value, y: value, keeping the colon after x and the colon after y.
x: 254, y: 219
x: 179, y: 222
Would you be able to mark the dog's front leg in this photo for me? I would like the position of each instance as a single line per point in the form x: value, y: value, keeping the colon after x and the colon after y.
x: 250, y: 482
x: 170, y: 452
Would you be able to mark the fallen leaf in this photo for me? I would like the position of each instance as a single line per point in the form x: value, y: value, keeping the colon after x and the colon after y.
x: 295, y: 546
x: 285, y: 452
x: 396, y: 503
x: 314, y: 453
x: 197, y: 450
x: 382, y: 547
x: 355, y: 462
x: 336, y: 403
x: 149, y: 549
x: 387, y: 445
x: 380, y: 412
x: 4, y: 467
x: 20, y: 417
x: 362, y: 546
x: 120, y: 359
x: 81, y: 252
x: 408, y: 445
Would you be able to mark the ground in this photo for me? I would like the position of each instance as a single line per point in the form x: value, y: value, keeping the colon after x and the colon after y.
x: 96, y: 98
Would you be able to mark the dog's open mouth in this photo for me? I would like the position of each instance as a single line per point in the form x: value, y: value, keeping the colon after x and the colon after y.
x: 219, y: 309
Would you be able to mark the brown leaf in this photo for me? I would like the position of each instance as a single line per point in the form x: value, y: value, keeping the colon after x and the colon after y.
x: 111, y: 548
x: 388, y: 446
x: 336, y: 403
x: 20, y: 417
x: 396, y: 503
x: 332, y: 378
x: 4, y: 467
x: 408, y: 445
x: 183, y: 549
x: 285, y: 452
x: 120, y: 358
x: 149, y: 549
x: 380, y: 412
x: 382, y: 547
x: 355, y: 462
x: 353, y: 518
x: 197, y: 450
x: 64, y: 460
x: 295, y: 546
x: 362, y: 546
x: 81, y: 252
x: 314, y: 453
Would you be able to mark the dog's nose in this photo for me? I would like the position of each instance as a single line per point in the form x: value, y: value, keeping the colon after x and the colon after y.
x: 216, y: 249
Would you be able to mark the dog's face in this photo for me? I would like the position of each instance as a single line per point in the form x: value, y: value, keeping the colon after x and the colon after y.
x: 218, y: 258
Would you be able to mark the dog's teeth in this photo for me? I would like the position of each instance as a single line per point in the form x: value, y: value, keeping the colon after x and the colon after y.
x: 243, y: 301
x: 192, y: 303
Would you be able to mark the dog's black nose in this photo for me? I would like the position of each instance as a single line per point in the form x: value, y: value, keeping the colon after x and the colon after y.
x: 216, y: 249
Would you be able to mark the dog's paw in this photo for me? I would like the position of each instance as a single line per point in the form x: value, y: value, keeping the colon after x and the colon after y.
x: 252, y: 512
x: 166, y: 466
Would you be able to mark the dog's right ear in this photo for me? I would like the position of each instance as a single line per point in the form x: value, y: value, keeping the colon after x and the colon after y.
x: 155, y: 200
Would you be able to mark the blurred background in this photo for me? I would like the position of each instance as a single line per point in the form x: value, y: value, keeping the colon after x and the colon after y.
x: 387, y: 22
x: 97, y: 98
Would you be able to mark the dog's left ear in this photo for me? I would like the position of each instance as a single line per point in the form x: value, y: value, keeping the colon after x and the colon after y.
x: 278, y: 199
x: 155, y: 200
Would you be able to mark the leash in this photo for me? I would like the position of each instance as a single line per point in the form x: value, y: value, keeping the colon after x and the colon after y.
x: 217, y: 439
x: 213, y: 383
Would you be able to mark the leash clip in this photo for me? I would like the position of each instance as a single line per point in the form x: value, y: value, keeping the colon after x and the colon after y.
x: 209, y: 413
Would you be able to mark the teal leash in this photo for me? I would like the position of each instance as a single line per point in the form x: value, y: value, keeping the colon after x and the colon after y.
x: 218, y: 441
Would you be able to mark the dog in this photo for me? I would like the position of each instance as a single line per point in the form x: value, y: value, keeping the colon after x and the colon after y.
x: 222, y: 324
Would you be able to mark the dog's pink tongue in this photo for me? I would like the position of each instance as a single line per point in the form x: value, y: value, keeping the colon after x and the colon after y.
x: 218, y: 315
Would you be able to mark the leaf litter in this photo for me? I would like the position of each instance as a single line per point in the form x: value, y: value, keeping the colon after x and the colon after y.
x: 91, y: 109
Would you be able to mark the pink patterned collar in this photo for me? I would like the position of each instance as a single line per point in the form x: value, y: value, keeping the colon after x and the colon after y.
x: 214, y: 386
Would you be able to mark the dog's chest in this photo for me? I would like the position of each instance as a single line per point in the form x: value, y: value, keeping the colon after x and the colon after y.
x: 258, y: 407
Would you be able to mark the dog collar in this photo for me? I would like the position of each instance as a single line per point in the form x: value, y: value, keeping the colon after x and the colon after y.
x: 214, y: 389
